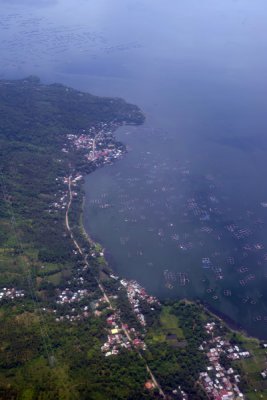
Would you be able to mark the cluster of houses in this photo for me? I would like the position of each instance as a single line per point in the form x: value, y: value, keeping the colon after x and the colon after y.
x: 264, y: 373
x: 97, y: 143
x: 182, y: 393
x: 116, y: 339
x: 60, y: 203
x: 74, y: 181
x: 73, y: 315
x: 68, y: 296
x: 234, y: 353
x: 220, y: 383
x: 79, y: 311
x: 62, y: 196
x: 106, y: 155
x: 100, y: 305
x: 120, y: 336
x: 11, y: 294
x: 136, y: 293
x: 99, y: 146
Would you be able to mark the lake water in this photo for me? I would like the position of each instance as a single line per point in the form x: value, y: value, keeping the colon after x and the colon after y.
x: 184, y: 212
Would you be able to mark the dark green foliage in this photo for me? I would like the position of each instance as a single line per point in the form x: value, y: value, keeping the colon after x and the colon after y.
x: 127, y: 313
x: 34, y: 121
x: 180, y: 366
x: 39, y: 357
x: 224, y: 361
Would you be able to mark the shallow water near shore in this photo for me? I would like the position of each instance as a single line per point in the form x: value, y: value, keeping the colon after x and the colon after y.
x: 184, y: 212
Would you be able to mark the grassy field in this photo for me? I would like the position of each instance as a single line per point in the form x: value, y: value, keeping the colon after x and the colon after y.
x: 169, y: 324
x: 256, y: 395
x: 252, y: 367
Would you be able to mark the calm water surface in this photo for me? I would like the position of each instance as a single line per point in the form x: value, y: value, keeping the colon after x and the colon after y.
x: 185, y: 211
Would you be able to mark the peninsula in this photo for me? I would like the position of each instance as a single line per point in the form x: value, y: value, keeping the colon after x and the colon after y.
x: 69, y: 327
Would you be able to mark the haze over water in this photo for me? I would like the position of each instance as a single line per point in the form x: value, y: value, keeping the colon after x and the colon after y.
x: 184, y: 211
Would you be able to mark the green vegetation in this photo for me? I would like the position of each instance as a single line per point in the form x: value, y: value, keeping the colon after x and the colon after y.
x: 168, y: 325
x: 78, y: 369
x: 35, y: 119
x: 41, y: 358
x: 250, y: 369
x: 46, y: 351
x: 173, y: 353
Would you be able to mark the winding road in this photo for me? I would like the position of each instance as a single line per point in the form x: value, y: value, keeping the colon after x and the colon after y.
x: 81, y: 252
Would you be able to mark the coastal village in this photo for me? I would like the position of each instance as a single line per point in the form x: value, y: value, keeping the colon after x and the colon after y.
x: 97, y: 144
x: 219, y: 383
x: 74, y: 302
x: 121, y: 335
x: 187, y: 213
x: 98, y: 148
x: 136, y: 293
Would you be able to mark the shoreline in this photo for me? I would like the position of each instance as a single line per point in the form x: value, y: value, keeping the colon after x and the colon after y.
x: 232, y: 325
x: 81, y: 223
x: 91, y: 240
x: 122, y: 326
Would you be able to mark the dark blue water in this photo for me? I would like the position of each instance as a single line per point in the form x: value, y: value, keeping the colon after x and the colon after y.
x: 184, y: 212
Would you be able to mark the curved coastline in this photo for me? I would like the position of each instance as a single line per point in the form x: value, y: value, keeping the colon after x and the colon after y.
x: 234, y: 326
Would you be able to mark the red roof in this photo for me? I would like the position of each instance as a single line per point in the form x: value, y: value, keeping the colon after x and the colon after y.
x: 149, y: 385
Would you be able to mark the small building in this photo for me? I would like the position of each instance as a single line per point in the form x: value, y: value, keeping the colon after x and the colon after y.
x: 149, y: 385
